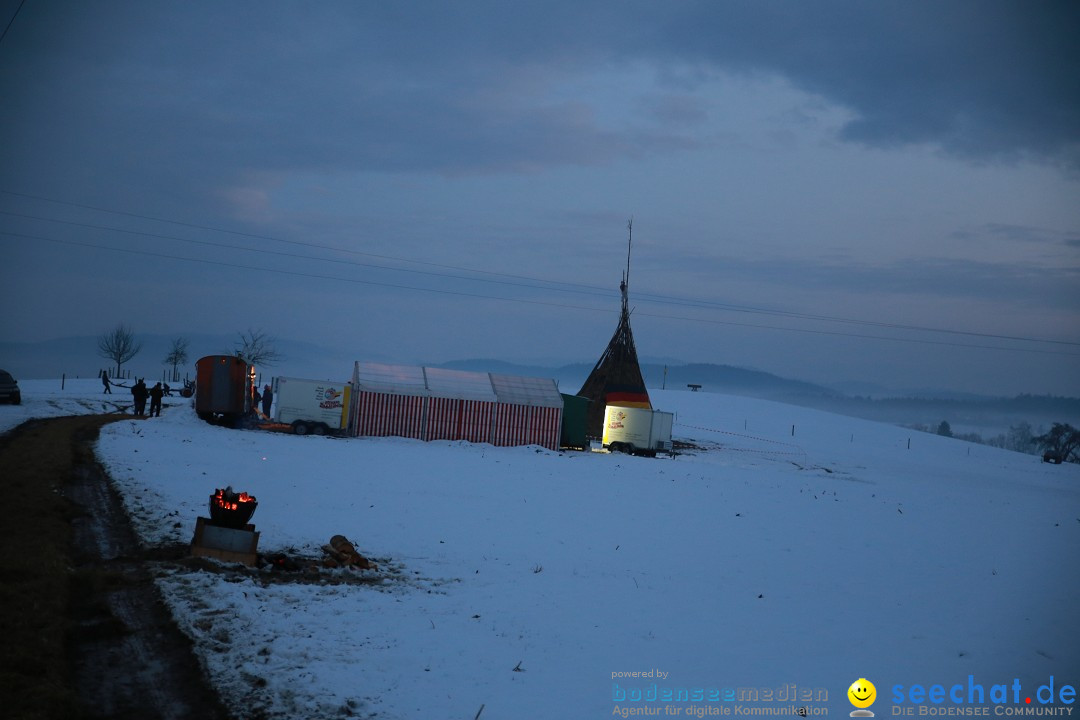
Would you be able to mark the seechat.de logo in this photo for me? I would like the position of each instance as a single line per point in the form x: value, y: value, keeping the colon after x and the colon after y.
x: 1004, y: 696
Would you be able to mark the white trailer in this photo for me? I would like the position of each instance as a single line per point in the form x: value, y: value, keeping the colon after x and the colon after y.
x: 637, y: 430
x: 316, y: 407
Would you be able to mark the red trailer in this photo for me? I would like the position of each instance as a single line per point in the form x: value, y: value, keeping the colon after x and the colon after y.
x: 224, y: 388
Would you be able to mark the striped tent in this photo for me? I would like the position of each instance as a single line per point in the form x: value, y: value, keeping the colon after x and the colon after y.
x: 528, y: 411
x: 390, y: 400
x: 461, y: 405
x: 438, y: 404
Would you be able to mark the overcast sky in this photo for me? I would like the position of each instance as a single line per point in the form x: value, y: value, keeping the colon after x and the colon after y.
x: 885, y: 192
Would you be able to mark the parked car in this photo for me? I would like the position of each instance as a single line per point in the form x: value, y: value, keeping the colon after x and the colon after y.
x: 1052, y: 457
x: 9, y: 389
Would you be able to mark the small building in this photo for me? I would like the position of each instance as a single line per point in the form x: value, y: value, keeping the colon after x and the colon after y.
x: 438, y: 404
x: 575, y: 410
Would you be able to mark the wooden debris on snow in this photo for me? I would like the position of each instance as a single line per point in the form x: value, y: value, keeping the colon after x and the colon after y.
x: 342, y: 553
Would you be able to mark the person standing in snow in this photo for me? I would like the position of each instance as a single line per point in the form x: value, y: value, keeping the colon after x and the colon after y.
x: 138, y: 395
x: 267, y: 399
x: 155, y: 399
x: 105, y: 382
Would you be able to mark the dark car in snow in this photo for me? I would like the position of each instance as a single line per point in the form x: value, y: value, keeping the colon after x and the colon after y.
x: 9, y: 389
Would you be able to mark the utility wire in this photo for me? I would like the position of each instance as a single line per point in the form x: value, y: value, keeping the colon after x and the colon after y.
x: 360, y: 281
x: 295, y: 273
x: 279, y: 253
x: 548, y: 284
x: 11, y: 21
x: 300, y: 243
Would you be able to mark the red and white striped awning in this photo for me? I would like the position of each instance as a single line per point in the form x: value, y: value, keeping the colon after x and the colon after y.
x: 440, y: 404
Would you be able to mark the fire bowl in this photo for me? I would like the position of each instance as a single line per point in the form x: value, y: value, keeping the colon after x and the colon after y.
x: 230, y: 509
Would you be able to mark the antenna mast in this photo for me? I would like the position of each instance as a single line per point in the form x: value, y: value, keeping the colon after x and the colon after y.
x: 626, y: 275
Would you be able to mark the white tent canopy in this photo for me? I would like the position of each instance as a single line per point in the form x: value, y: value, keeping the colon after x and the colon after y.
x: 517, y: 390
x: 390, y: 379
x: 460, y: 384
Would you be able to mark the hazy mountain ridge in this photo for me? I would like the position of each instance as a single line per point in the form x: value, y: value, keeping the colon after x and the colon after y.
x: 987, y: 416
x: 712, y: 378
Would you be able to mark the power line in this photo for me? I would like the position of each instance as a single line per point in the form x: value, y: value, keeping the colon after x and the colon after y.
x: 295, y: 273
x: 317, y: 276
x: 850, y: 321
x: 300, y: 243
x: 548, y: 284
x: 299, y: 256
x: 11, y: 21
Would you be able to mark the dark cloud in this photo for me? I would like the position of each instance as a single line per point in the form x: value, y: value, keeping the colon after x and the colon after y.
x: 979, y: 79
x: 460, y: 87
x: 193, y: 98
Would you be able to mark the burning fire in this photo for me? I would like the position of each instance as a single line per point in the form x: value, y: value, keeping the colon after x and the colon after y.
x: 229, y: 500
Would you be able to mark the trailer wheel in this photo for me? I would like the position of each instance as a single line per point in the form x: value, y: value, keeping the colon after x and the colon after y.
x: 319, y: 429
x: 300, y: 427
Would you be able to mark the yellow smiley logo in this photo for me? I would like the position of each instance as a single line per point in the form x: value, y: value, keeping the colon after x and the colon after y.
x: 862, y: 693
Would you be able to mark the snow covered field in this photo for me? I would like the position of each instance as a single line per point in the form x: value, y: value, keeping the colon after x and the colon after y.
x: 46, y: 398
x: 526, y: 582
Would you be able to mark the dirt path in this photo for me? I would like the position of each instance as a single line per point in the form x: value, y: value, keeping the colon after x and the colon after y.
x: 83, y: 631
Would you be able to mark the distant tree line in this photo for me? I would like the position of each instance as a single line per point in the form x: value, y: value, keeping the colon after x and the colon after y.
x: 1045, y: 405
x: 1060, y: 444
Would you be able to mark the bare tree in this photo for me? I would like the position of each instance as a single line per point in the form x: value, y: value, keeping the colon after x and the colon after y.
x: 1061, y: 444
x: 119, y: 345
x: 257, y: 348
x: 177, y: 356
x: 1019, y: 438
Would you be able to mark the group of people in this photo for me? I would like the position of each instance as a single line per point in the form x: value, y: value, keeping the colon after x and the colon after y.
x: 266, y: 398
x: 139, y: 393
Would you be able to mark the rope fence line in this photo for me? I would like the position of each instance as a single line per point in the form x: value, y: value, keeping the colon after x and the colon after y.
x: 742, y: 435
x: 764, y: 452
x: 797, y: 449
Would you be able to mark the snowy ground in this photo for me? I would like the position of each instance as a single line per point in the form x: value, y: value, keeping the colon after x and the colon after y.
x: 57, y: 398
x: 522, y: 580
